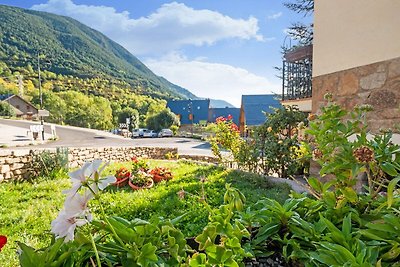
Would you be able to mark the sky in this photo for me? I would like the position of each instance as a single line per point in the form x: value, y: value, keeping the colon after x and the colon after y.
x: 218, y: 49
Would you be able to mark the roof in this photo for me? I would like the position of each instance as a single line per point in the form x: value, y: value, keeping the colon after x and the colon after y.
x: 224, y: 112
x: 6, y: 97
x: 183, y: 108
x: 254, y: 107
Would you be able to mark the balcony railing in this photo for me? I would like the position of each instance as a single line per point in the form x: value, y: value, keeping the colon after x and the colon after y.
x: 297, y: 73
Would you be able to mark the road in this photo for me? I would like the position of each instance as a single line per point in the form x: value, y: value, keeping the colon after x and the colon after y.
x: 70, y: 136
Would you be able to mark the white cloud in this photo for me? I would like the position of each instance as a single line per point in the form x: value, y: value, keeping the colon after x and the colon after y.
x: 211, y: 80
x: 170, y: 27
x: 275, y: 16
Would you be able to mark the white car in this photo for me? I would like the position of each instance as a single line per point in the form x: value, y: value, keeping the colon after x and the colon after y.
x: 138, y: 132
x: 149, y: 133
x: 165, y: 133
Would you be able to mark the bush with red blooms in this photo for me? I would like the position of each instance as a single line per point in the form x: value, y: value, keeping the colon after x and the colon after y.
x: 226, y: 136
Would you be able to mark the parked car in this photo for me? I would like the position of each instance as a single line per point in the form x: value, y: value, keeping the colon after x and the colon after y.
x: 149, y: 133
x: 165, y: 133
x: 138, y: 132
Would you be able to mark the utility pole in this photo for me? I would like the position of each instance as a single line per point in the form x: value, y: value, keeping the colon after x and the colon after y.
x: 40, y: 96
x: 20, y: 86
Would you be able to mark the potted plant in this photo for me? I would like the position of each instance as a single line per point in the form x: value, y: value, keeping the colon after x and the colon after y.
x: 161, y: 173
x: 139, y: 164
x: 141, y: 180
x: 122, y: 175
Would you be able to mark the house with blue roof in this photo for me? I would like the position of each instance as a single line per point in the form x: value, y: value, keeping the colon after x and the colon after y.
x: 253, y: 109
x: 214, y: 113
x: 190, y: 111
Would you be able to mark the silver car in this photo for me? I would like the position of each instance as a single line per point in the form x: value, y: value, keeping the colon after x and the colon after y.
x: 165, y: 133
x: 149, y: 133
x: 138, y: 132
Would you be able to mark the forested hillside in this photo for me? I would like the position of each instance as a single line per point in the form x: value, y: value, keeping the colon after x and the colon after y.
x: 87, y: 79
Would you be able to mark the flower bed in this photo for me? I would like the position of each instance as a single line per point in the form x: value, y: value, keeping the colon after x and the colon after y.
x: 140, y: 175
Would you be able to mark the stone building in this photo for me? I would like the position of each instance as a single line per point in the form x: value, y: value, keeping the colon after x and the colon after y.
x: 356, y: 57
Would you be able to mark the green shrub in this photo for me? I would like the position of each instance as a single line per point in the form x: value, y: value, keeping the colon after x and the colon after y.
x: 49, y: 164
x: 6, y: 109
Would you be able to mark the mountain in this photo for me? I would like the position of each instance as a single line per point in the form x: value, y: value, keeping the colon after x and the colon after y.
x: 71, y: 48
x: 218, y: 103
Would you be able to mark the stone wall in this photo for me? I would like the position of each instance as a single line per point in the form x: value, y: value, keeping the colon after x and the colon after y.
x: 78, y: 156
x: 14, y: 164
x: 18, y: 164
x: 376, y: 84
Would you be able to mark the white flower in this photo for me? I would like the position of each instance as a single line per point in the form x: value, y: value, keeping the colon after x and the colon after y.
x: 64, y: 225
x: 101, y: 183
x: 77, y: 205
x: 106, y: 181
x: 90, y: 175
x: 78, y: 178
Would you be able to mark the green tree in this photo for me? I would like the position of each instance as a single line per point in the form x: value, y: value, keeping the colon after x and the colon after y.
x: 130, y: 113
x: 6, y: 109
x: 164, y: 119
x: 54, y: 104
x: 298, y: 30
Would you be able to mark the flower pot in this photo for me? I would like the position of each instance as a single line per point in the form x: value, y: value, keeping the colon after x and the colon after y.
x: 135, y: 187
x: 122, y: 182
x: 158, y: 178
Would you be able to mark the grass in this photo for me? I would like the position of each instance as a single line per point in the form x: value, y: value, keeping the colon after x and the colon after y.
x: 27, y: 209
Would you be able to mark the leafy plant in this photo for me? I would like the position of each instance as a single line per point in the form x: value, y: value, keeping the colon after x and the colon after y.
x: 226, y: 136
x: 278, y: 141
x: 49, y: 164
x: 220, y: 241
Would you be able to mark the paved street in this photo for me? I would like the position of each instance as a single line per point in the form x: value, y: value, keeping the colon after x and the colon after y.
x: 14, y: 133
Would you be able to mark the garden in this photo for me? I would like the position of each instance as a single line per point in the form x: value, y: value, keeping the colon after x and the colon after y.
x: 28, y: 209
x: 180, y: 213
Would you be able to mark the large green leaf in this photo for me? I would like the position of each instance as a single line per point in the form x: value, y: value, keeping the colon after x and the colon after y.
x: 29, y: 257
x: 147, y: 255
x: 389, y: 168
x: 390, y: 190
x: 265, y: 232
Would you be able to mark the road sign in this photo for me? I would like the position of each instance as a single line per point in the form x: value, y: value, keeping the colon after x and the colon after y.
x: 43, y: 113
x: 123, y: 126
x: 36, y: 128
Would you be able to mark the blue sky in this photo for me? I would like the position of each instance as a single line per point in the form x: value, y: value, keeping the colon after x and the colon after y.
x: 217, y: 49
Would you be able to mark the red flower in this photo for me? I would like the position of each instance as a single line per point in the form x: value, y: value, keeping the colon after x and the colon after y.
x: 220, y: 119
x: 229, y: 117
x: 3, y: 241
x: 234, y: 127
x: 122, y: 173
x: 135, y: 159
